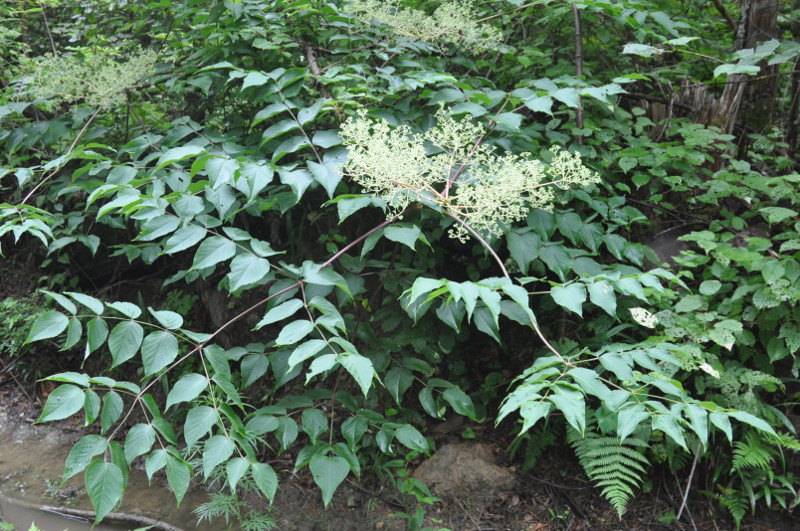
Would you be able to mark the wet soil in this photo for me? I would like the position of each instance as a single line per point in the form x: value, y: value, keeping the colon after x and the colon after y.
x: 555, y: 495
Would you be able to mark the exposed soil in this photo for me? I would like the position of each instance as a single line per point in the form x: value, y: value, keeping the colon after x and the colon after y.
x: 555, y: 495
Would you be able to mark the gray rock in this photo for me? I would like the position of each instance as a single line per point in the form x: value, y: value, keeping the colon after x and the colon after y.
x: 467, y: 472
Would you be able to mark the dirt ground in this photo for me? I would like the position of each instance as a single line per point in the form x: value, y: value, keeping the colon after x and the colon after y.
x: 554, y: 495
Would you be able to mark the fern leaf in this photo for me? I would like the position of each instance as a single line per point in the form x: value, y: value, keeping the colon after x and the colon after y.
x: 752, y: 453
x: 616, y: 466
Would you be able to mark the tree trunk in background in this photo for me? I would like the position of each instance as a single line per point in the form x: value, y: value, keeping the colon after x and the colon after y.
x: 756, y: 97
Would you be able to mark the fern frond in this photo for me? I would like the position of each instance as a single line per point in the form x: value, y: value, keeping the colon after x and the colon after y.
x: 615, y: 465
x: 786, y: 440
x: 752, y: 453
x: 736, y: 503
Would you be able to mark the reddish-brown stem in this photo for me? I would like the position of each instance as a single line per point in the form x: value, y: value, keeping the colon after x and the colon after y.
x: 358, y: 240
x: 260, y: 303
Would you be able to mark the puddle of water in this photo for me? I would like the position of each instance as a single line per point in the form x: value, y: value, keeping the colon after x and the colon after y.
x: 22, y: 518
x: 31, y: 464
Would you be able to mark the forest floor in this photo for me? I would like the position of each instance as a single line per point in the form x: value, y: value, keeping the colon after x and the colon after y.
x: 555, y: 495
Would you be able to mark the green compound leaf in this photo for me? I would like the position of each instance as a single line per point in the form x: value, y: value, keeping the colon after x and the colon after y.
x: 62, y: 403
x: 139, y: 440
x: 155, y: 462
x: 199, y: 422
x: 167, y: 319
x: 159, y: 349
x: 234, y: 470
x: 104, y: 483
x: 187, y: 389
x: 266, y: 479
x: 571, y: 297
x: 178, y: 476
x: 280, y: 312
x: 184, y: 238
x: 411, y: 438
x: 47, y: 325
x: 112, y: 409
x: 124, y: 341
x: 216, y: 451
x: 82, y: 453
x: 460, y: 402
x: 213, y: 251
x: 602, y: 294
x: 294, y: 332
x: 360, y: 368
x: 571, y: 404
x: 328, y: 473
x: 247, y: 269
x: 96, y: 334
x: 524, y: 248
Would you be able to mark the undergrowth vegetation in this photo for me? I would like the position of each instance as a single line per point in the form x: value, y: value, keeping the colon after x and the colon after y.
x: 370, y: 216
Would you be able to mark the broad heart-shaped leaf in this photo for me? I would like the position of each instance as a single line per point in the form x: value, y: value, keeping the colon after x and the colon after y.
x: 187, y: 389
x: 213, y: 251
x: 82, y: 452
x: 124, y: 341
x: 217, y: 450
x: 360, y: 368
x: 62, y: 403
x: 328, y: 473
x: 139, y: 440
x: 266, y: 479
x: 47, y: 325
x: 411, y: 438
x: 159, y: 349
x: 602, y: 294
x: 199, y: 422
x: 247, y: 269
x: 178, y: 475
x: 104, y: 483
x: 571, y: 297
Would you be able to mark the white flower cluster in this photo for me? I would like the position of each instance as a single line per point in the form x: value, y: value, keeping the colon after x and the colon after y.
x: 465, y: 177
x: 452, y: 23
x: 96, y: 80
